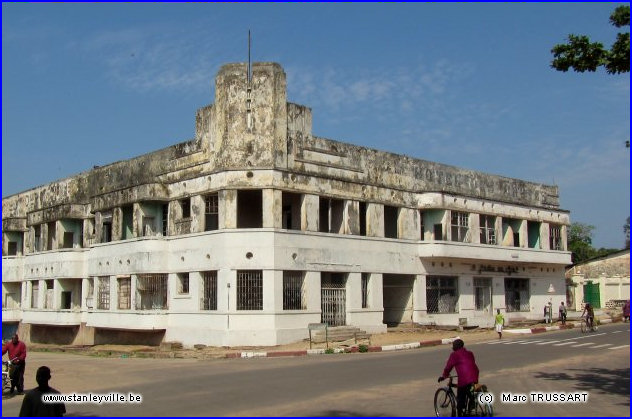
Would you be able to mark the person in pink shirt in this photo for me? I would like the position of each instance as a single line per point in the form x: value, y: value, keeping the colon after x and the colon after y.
x: 464, y: 363
x: 17, y: 355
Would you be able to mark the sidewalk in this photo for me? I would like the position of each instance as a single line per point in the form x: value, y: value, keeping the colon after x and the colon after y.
x: 394, y: 340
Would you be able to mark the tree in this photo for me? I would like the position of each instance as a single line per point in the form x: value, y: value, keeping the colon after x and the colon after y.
x: 580, y: 241
x: 626, y: 231
x: 582, y: 55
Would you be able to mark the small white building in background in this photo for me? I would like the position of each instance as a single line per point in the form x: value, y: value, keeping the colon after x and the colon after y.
x: 256, y: 227
x: 603, y: 281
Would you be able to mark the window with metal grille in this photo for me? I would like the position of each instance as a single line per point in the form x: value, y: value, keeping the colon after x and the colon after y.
x: 294, y: 290
x: 151, y: 292
x: 517, y: 294
x: 365, y: 289
x: 483, y: 294
x: 183, y: 283
x: 209, y: 291
x: 460, y: 226
x: 249, y: 290
x: 124, y: 293
x: 442, y: 294
x: 103, y: 294
x: 211, y: 212
x: 555, y: 237
x: 34, y: 294
x: 488, y: 229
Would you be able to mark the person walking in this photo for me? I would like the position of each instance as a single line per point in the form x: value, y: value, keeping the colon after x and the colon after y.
x: 499, y: 323
x: 562, y: 313
x: 626, y: 311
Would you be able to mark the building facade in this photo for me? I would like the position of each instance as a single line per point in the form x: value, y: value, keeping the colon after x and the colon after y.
x: 603, y: 281
x: 256, y: 228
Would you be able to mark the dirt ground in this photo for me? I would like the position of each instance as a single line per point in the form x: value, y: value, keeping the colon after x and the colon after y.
x: 391, y: 337
x: 394, y: 336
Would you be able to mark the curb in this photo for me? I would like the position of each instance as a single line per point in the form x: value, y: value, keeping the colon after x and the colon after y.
x: 571, y: 325
x: 351, y: 349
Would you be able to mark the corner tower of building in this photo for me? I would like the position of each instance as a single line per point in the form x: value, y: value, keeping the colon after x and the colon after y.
x: 246, y: 127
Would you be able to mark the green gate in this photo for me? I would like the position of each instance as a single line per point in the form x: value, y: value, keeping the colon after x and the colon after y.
x: 591, y: 294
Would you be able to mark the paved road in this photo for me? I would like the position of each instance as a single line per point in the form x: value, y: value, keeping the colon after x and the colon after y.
x: 372, y: 384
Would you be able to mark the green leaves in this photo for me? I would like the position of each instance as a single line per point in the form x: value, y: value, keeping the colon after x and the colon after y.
x: 582, y: 55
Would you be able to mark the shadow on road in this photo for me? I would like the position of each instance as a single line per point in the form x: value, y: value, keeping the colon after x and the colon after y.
x: 600, y: 380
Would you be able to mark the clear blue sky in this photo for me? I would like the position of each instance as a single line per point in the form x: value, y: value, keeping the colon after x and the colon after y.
x: 462, y: 84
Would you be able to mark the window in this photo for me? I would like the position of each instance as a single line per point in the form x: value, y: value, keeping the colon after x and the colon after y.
x: 459, y: 224
x: 34, y: 294
x: 483, y: 294
x: 12, y: 249
x: 249, y: 290
x: 438, y: 232
x: 390, y: 221
x: 555, y: 237
x: 209, y: 291
x: 69, y: 238
x: 165, y: 219
x: 52, y: 227
x: 66, y: 300
x: 148, y: 226
x: 249, y: 209
x: 211, y: 212
x: 151, y: 292
x: 50, y: 295
x: 517, y: 294
x: 441, y: 294
x: 331, y: 215
x: 488, y: 229
x: 293, y: 290
x: 422, y: 233
x: 106, y: 233
x: 183, y: 283
x: 185, y: 206
x: 363, y: 218
x: 291, y: 211
x: 103, y: 296
x: 37, y: 244
x: 365, y: 289
x: 90, y: 294
x: 125, y: 293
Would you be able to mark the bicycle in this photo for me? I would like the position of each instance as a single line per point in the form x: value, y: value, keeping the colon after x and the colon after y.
x: 588, y: 327
x: 445, y: 401
x: 7, y: 370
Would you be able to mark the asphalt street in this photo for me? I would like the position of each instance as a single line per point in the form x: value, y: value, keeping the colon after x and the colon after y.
x: 361, y: 384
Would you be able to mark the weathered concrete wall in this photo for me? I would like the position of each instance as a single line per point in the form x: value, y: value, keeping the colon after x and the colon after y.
x: 278, y: 137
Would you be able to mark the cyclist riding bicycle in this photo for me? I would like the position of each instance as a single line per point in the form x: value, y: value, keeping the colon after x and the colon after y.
x: 590, y: 315
x: 463, y: 361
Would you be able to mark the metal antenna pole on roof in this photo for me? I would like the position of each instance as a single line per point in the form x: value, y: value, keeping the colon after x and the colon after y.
x: 249, y: 63
x: 249, y: 89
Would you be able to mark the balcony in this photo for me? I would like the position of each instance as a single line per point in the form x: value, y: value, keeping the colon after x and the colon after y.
x: 456, y: 250
x: 51, y: 317
x: 128, y: 320
x: 62, y: 263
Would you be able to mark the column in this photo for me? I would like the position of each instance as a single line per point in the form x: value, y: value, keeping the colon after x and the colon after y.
x: 272, y: 208
x: 374, y: 220
x: 309, y: 212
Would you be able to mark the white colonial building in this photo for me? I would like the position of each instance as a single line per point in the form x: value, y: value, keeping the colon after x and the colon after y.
x: 256, y: 228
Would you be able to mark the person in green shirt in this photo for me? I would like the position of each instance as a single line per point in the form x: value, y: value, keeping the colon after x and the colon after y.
x: 499, y: 323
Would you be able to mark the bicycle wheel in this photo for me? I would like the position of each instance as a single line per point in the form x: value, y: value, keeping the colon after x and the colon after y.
x: 483, y: 409
x: 444, y: 403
